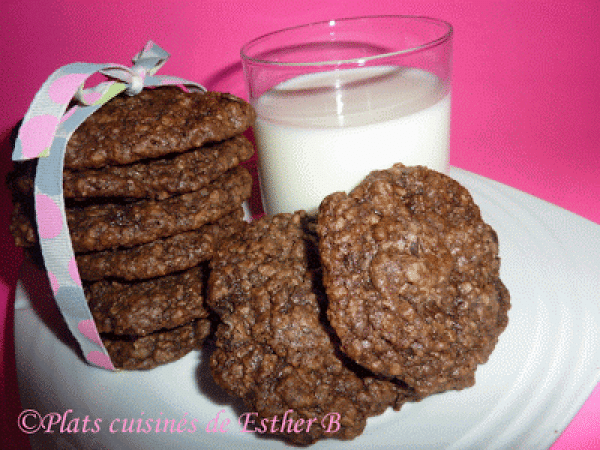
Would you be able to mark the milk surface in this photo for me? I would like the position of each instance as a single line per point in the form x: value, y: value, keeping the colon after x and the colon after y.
x: 322, y: 133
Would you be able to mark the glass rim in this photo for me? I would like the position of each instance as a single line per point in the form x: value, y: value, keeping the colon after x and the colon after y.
x: 444, y: 37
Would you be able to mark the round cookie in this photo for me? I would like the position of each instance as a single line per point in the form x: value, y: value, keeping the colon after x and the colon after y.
x: 158, y: 348
x: 154, y: 123
x: 143, y: 307
x: 274, y: 348
x: 160, y: 257
x: 412, y: 275
x: 103, y: 226
x: 161, y: 177
x: 100, y: 226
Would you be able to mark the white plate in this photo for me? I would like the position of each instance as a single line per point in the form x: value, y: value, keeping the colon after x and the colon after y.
x: 546, y: 363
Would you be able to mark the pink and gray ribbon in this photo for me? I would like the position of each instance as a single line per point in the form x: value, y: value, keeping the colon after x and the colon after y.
x: 59, y: 107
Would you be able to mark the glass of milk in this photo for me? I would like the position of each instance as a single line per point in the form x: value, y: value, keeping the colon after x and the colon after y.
x: 338, y: 99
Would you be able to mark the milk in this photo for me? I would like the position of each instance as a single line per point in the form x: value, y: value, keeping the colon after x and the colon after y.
x: 322, y: 133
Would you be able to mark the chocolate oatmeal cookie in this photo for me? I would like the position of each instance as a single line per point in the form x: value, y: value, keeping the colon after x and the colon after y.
x: 21, y: 177
x: 103, y: 226
x: 159, y: 178
x: 160, y: 257
x: 412, y: 275
x: 19, y: 181
x: 274, y: 348
x: 142, y: 307
x: 231, y: 188
x: 21, y: 225
x: 154, y: 123
x: 158, y: 348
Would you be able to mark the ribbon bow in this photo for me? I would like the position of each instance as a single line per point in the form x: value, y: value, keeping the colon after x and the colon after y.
x: 48, y: 110
x: 44, y: 133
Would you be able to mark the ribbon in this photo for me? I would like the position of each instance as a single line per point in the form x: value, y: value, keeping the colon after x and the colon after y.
x: 59, y: 107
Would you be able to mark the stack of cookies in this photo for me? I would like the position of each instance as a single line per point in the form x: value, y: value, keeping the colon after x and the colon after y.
x: 152, y: 183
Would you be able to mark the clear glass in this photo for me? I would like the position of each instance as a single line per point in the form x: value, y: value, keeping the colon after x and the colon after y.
x: 338, y: 99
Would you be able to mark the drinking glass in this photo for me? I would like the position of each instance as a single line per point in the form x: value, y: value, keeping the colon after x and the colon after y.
x: 338, y: 99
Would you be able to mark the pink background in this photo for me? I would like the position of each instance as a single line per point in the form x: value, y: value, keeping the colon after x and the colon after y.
x: 525, y: 101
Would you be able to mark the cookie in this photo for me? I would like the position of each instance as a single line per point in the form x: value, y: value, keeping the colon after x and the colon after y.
x: 160, y: 257
x: 103, y: 226
x: 274, y: 348
x: 142, y: 307
x: 163, y: 347
x: 21, y: 225
x: 20, y: 179
x: 159, y: 178
x: 155, y: 123
x: 411, y: 271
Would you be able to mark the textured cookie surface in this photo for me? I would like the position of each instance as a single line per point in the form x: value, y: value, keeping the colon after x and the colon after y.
x: 104, y: 226
x: 412, y: 276
x: 274, y: 348
x: 161, y: 347
x: 21, y: 224
x: 154, y: 123
x: 142, y: 307
x: 20, y: 185
x: 160, y: 257
x: 159, y: 178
